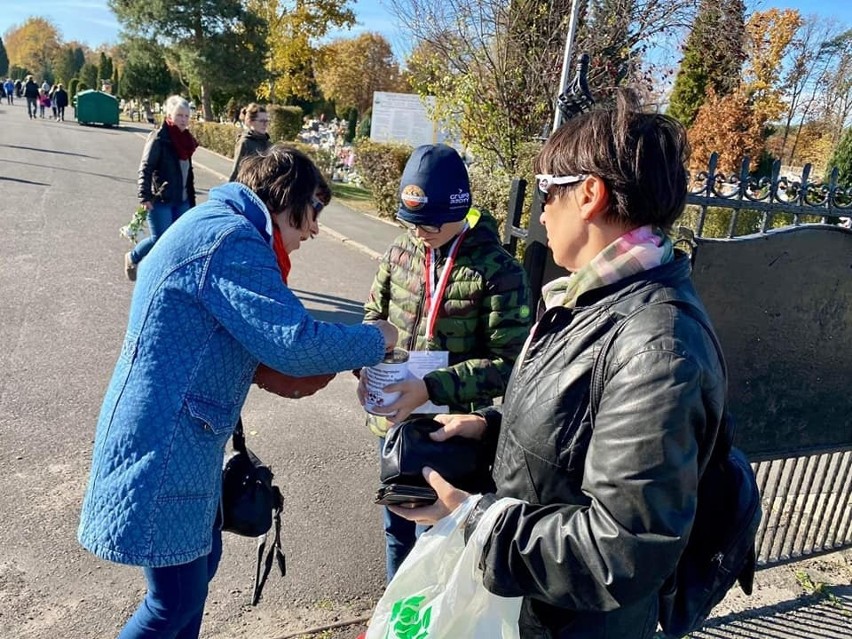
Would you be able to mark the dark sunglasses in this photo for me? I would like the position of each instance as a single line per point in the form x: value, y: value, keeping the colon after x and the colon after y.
x: 318, y: 205
x: 426, y: 228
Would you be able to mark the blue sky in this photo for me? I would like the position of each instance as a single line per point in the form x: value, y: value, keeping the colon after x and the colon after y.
x: 91, y: 22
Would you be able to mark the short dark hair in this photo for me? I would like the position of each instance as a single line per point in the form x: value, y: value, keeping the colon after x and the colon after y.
x: 251, y: 111
x: 282, y: 177
x: 641, y: 157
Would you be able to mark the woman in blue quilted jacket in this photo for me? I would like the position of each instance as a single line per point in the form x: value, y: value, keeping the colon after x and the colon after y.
x: 210, y: 304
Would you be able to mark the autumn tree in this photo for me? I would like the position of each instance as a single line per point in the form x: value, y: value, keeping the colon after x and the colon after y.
x: 494, y: 67
x: 65, y: 63
x: 4, y: 59
x: 294, y: 29
x: 735, y: 125
x: 33, y: 46
x: 351, y: 70
x: 213, y: 44
x: 713, y: 55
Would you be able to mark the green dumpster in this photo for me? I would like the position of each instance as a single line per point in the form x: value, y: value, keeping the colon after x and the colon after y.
x: 96, y: 107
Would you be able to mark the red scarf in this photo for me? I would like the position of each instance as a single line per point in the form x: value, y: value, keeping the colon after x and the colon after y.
x: 280, y: 253
x: 183, y: 141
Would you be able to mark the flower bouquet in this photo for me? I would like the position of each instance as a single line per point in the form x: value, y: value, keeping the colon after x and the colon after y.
x: 136, y: 226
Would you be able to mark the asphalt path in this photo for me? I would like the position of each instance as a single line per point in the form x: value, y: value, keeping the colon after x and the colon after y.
x: 65, y: 190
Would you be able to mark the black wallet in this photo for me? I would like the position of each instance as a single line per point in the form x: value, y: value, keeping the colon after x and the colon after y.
x: 396, y: 494
x: 463, y: 462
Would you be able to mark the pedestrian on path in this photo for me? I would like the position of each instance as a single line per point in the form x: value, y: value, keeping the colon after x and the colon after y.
x: 9, y: 88
x: 166, y: 181
x: 254, y: 139
x: 459, y: 300
x: 60, y: 100
x: 210, y: 304
x: 31, y: 94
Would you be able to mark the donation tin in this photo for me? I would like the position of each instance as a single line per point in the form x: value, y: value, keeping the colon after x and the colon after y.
x: 392, y: 369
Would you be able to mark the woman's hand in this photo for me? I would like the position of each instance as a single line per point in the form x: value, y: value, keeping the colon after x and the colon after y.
x: 288, y: 386
x: 148, y: 205
x: 413, y: 393
x: 449, y: 498
x: 389, y: 332
x: 470, y: 426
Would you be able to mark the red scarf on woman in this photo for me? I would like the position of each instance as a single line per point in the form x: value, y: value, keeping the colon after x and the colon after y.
x: 183, y: 141
x: 280, y: 254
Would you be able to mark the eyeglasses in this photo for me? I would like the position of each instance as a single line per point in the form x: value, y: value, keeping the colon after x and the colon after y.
x: 546, y: 180
x: 261, y: 120
x: 426, y: 228
x: 318, y: 205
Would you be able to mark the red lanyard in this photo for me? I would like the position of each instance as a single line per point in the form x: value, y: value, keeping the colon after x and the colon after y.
x: 433, y: 298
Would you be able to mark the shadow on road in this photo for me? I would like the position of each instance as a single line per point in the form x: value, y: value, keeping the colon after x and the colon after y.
x: 341, y: 310
x: 29, y: 148
x: 10, y: 179
x: 826, y: 617
x: 62, y: 168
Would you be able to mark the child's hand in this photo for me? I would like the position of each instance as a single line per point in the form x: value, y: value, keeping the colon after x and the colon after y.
x: 413, y: 394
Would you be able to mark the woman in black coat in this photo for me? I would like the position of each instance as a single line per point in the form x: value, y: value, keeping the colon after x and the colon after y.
x: 254, y: 140
x: 166, y: 182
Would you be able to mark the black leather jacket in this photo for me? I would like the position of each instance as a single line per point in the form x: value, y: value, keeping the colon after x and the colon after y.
x: 160, y: 165
x: 608, y: 508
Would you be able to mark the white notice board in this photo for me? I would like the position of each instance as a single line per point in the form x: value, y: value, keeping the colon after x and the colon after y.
x: 402, y: 117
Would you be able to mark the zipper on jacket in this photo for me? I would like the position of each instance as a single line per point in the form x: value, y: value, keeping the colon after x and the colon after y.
x: 418, y: 318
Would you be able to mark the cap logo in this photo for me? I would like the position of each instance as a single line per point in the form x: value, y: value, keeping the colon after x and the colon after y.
x: 459, y: 199
x: 413, y: 197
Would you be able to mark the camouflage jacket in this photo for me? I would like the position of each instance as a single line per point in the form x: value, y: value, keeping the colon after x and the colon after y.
x: 483, y: 321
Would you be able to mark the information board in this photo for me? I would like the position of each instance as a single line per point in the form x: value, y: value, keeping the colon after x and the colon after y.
x: 403, y: 117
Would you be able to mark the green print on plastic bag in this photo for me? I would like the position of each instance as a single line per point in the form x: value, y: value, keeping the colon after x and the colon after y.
x: 406, y: 622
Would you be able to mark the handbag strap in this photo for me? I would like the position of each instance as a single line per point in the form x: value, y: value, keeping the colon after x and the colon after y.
x: 264, y: 566
x: 725, y: 439
x: 238, y: 439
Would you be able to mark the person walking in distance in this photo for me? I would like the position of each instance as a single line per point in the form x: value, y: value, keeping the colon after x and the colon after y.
x: 31, y: 95
x: 166, y: 181
x: 254, y: 139
x: 60, y: 100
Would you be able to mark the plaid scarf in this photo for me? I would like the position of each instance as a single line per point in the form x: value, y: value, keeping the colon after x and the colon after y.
x: 636, y: 251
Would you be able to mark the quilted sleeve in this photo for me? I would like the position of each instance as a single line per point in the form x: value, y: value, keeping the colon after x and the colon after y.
x: 242, y: 289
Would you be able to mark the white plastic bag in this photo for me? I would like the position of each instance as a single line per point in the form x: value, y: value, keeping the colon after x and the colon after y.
x: 437, y: 593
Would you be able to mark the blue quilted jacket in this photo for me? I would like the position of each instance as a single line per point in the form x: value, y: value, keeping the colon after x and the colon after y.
x: 209, y: 304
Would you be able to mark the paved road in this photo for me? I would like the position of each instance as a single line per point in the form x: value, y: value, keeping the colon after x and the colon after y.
x: 65, y: 190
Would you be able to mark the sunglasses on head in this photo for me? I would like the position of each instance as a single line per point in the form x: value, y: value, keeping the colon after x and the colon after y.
x: 545, y: 181
x: 426, y: 228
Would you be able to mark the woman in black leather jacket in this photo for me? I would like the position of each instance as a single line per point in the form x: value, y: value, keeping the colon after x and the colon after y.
x: 609, y: 495
x: 166, y: 185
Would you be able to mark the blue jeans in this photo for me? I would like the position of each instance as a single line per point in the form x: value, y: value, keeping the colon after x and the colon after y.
x: 174, y: 605
x: 400, y: 535
x: 161, y: 217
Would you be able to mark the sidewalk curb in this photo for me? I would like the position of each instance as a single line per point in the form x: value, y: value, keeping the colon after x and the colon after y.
x: 330, y: 231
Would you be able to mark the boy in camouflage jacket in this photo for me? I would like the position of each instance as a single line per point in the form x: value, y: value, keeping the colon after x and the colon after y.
x: 480, y: 314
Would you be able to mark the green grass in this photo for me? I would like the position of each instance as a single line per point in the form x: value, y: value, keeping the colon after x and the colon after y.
x: 355, y: 197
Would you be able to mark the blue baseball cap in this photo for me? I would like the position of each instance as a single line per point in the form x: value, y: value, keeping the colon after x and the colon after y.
x: 435, y: 187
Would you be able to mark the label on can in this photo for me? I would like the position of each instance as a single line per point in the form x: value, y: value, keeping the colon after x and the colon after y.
x: 392, y: 369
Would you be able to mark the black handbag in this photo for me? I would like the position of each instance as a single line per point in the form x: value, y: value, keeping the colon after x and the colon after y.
x: 251, y: 504
x: 465, y: 463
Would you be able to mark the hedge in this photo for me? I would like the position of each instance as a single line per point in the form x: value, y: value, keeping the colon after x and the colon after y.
x: 285, y: 122
x: 221, y: 138
x: 381, y: 166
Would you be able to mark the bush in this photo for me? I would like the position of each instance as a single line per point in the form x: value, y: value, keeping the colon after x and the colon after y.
x: 490, y: 185
x: 381, y: 166
x: 285, y: 122
x: 72, y: 86
x: 221, y: 138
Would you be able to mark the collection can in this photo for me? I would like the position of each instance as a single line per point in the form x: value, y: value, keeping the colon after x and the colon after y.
x: 392, y: 369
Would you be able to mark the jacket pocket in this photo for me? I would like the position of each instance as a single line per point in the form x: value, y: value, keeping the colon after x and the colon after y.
x: 217, y: 417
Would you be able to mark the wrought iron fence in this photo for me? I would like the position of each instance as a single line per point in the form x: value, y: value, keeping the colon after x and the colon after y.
x: 759, y: 204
